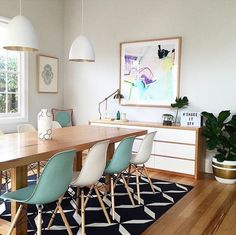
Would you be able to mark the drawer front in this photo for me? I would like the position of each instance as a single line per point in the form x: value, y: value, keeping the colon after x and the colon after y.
x: 175, y: 165
x: 174, y: 135
x: 174, y: 150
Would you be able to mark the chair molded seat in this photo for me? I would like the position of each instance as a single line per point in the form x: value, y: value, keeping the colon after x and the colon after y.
x: 50, y: 187
x: 140, y: 158
x: 119, y: 162
x: 89, y: 175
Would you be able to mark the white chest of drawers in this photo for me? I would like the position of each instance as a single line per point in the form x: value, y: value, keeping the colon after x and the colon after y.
x: 179, y: 150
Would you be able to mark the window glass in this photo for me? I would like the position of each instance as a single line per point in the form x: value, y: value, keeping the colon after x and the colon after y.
x: 13, y: 96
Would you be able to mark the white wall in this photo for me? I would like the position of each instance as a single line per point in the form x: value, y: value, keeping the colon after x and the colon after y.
x: 47, y: 18
x: 208, y: 68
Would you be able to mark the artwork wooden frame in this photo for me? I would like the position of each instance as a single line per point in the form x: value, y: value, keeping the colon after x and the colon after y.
x: 150, y: 71
x: 47, y: 74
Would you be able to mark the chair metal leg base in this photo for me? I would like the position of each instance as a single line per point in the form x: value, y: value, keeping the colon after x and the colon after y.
x: 39, y: 225
x: 137, y: 185
x: 112, y: 199
x: 82, y: 212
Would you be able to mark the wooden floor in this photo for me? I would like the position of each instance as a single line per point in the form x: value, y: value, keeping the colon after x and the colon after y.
x: 209, y: 208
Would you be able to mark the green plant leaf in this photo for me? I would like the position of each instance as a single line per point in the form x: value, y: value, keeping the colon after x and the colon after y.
x: 211, y: 144
x: 208, y: 115
x: 233, y: 121
x: 220, y: 157
x: 223, y: 115
x: 180, y: 102
x: 222, y: 151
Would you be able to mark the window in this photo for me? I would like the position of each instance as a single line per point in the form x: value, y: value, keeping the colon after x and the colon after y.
x: 13, y: 82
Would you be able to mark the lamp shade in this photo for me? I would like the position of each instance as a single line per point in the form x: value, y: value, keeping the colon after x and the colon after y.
x: 81, y: 50
x: 20, y: 35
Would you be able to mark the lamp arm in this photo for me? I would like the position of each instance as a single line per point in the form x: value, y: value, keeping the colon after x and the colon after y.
x: 110, y: 96
x: 99, y: 104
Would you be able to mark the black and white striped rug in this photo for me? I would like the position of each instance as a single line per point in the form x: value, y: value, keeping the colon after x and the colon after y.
x: 128, y: 219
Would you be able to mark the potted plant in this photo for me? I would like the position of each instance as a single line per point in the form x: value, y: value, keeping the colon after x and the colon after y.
x: 179, y: 103
x: 220, y: 133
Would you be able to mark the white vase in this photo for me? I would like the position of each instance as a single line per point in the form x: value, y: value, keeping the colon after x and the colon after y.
x: 44, y: 125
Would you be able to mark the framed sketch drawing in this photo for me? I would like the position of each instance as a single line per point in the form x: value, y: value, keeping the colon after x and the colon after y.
x: 47, y: 74
x: 149, y: 72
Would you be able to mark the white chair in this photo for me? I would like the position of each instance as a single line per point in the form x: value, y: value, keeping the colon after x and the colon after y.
x: 89, y: 175
x: 25, y: 128
x: 56, y: 125
x: 138, y: 161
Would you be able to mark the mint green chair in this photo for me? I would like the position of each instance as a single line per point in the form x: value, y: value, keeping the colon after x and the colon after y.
x: 64, y: 117
x: 52, y: 185
x: 120, y: 162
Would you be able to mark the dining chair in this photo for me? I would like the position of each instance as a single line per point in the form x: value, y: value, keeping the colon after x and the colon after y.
x: 116, y: 166
x: 56, y: 125
x: 138, y: 160
x: 89, y: 175
x: 22, y: 128
x: 51, y: 187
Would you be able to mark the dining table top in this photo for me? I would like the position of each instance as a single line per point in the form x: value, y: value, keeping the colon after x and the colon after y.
x: 20, y: 149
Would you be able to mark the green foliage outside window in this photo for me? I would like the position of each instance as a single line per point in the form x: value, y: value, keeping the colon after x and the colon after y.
x: 9, y: 74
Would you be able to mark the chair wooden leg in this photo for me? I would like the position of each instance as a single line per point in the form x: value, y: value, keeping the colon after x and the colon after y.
x: 38, y: 170
x: 137, y: 184
x: 112, y: 199
x: 82, y: 212
x: 6, y: 182
x: 64, y: 219
x: 117, y: 179
x: 0, y: 181
x: 55, y: 212
x: 102, y: 205
x: 150, y: 182
x: 77, y: 199
x: 127, y: 189
x: 129, y: 170
x: 15, y: 220
x: 39, y: 225
x: 89, y: 195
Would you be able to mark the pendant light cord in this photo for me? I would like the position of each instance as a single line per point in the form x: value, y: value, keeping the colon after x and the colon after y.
x: 82, y: 17
x: 20, y: 7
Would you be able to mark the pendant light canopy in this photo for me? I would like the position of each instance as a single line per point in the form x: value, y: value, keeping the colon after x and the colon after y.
x: 81, y: 49
x: 20, y: 35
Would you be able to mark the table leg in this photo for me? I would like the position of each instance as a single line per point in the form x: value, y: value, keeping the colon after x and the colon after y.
x: 19, y: 180
x: 110, y: 152
x: 78, y: 161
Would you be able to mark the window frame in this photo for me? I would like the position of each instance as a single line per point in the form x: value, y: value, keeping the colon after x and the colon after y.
x: 22, y: 115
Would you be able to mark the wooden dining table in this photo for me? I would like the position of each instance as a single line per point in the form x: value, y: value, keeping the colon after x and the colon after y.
x: 19, y: 150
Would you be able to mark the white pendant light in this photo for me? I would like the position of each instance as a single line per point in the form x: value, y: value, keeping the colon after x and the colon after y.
x: 81, y: 49
x: 20, y: 35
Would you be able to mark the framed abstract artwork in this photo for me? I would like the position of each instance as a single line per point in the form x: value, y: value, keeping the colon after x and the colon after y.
x: 47, y: 74
x: 149, y: 72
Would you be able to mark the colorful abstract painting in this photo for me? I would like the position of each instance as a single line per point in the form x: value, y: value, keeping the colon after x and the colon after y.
x: 150, y: 72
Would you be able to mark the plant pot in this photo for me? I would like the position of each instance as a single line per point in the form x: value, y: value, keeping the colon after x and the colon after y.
x: 224, y: 172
